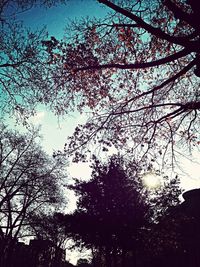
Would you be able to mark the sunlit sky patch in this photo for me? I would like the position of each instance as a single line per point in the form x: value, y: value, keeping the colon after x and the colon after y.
x: 151, y: 180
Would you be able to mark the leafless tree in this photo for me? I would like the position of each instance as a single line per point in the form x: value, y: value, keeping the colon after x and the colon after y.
x: 30, y: 182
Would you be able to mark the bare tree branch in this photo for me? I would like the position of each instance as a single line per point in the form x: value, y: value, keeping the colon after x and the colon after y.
x: 155, y: 31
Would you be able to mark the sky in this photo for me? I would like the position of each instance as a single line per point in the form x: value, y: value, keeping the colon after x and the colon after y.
x: 54, y: 130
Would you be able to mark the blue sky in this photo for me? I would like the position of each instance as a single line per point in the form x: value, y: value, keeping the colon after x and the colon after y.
x: 55, y: 18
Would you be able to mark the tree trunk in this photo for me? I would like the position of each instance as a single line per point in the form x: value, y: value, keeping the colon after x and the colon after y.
x: 6, y: 257
x: 108, y: 257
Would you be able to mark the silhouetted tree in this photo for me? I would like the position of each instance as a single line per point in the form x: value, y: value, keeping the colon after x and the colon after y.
x: 175, y: 239
x: 30, y: 183
x: 165, y: 198
x: 120, y: 220
x: 49, y: 227
x: 111, y: 211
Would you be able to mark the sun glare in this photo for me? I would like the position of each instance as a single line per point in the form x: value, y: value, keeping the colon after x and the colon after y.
x: 151, y: 180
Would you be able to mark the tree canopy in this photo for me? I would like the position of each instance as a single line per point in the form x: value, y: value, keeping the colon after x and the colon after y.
x: 137, y: 71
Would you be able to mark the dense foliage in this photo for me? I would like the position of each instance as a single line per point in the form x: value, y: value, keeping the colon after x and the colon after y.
x: 115, y: 212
